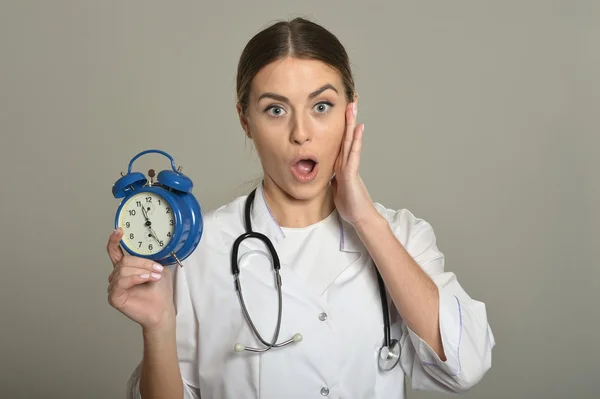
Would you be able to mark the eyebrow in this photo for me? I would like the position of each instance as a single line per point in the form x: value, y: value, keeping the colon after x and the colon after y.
x: 281, y: 98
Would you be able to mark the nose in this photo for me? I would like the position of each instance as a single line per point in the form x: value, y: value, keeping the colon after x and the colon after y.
x: 301, y: 131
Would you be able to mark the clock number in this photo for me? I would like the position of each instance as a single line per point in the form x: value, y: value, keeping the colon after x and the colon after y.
x: 159, y: 201
x: 148, y: 199
x: 132, y: 212
x: 140, y: 244
x: 169, y: 234
x: 131, y: 236
x: 150, y: 247
x: 171, y: 222
x: 161, y: 243
x: 127, y: 224
x: 138, y: 203
x: 168, y: 210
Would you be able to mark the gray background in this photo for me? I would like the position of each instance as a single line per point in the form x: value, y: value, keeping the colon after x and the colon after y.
x: 481, y: 117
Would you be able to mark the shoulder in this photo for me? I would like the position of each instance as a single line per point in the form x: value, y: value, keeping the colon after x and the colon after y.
x: 415, y: 233
x: 218, y: 224
x: 221, y: 222
x: 403, y: 222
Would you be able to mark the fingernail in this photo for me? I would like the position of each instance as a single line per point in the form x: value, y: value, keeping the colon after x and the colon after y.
x: 155, y: 275
x: 157, y: 267
x: 363, y: 128
x: 146, y: 275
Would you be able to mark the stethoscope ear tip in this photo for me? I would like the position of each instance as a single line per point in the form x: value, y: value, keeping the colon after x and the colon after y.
x: 297, y: 337
x: 239, y: 347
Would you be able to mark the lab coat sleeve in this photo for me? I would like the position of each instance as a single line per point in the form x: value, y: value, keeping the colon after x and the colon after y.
x: 186, y: 341
x: 133, y: 387
x: 466, y: 335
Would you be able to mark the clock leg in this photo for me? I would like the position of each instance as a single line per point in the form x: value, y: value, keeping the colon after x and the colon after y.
x: 176, y: 259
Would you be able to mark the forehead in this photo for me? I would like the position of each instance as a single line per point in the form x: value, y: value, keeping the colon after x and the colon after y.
x: 295, y: 77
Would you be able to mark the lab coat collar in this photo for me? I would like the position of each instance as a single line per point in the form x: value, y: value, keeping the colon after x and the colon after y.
x: 264, y: 222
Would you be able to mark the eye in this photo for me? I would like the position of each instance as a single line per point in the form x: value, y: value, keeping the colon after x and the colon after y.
x: 323, y: 107
x: 275, y: 110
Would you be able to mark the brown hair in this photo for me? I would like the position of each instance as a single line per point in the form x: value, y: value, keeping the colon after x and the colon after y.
x: 297, y: 38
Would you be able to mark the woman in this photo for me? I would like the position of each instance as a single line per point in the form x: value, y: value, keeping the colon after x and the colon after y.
x: 296, y: 101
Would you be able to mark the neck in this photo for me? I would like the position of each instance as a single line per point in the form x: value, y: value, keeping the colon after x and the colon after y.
x: 296, y: 213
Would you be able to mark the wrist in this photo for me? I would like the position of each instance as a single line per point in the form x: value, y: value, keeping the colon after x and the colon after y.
x: 159, y: 333
x: 373, y: 221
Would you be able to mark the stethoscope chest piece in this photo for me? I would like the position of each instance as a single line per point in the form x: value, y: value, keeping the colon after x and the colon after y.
x: 389, y: 356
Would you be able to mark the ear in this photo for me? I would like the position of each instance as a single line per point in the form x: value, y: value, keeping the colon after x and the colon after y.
x: 243, y: 119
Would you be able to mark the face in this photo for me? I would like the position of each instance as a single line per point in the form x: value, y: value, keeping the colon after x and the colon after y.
x: 141, y: 235
x: 296, y: 118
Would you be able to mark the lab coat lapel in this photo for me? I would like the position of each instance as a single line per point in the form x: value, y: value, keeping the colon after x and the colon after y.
x: 263, y: 220
x: 349, y: 239
x: 352, y: 260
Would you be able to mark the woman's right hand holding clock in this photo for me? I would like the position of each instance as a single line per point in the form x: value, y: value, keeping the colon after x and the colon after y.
x: 139, y: 288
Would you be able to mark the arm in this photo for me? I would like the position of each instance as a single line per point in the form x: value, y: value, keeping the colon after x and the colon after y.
x: 168, y: 366
x: 413, y: 292
x: 446, y: 339
x: 160, y: 375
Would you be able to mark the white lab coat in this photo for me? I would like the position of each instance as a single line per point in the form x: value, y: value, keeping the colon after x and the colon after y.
x: 337, y: 357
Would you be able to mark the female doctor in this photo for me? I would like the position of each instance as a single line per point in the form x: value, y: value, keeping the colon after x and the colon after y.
x: 222, y: 326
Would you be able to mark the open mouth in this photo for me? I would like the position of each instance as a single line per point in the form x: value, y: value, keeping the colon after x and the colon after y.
x: 305, y: 169
x: 305, y: 166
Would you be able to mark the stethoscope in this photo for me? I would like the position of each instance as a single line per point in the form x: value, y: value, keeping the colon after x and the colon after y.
x: 389, y: 353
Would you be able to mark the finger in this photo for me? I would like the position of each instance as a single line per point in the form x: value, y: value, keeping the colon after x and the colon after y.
x: 128, y: 271
x: 354, y: 157
x: 349, y: 135
x: 338, y: 160
x: 126, y: 282
x: 117, y: 282
x: 115, y: 253
x: 132, y: 264
x: 117, y: 293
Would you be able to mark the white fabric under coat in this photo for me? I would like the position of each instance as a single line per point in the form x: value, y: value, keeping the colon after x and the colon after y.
x: 333, y: 276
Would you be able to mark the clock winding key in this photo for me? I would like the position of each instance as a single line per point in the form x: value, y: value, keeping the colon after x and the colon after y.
x: 151, y: 173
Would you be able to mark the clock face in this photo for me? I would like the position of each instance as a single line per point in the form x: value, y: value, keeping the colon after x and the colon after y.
x: 148, y: 222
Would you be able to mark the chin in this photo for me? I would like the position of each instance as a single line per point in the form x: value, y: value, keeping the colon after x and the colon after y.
x: 306, y: 191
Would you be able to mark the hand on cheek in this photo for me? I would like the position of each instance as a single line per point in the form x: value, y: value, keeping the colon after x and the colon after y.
x: 350, y: 194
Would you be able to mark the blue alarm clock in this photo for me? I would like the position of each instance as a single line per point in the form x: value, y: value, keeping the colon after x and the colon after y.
x: 161, y: 221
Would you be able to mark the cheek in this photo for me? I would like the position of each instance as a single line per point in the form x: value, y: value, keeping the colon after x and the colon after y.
x: 267, y: 146
x: 263, y: 147
x: 333, y: 135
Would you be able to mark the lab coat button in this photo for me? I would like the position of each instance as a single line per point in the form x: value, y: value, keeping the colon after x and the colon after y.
x: 324, y: 391
x: 323, y: 316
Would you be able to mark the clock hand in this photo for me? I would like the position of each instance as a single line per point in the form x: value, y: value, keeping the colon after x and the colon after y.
x: 149, y: 224
x: 154, y: 234
x: 145, y: 213
x: 157, y: 240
